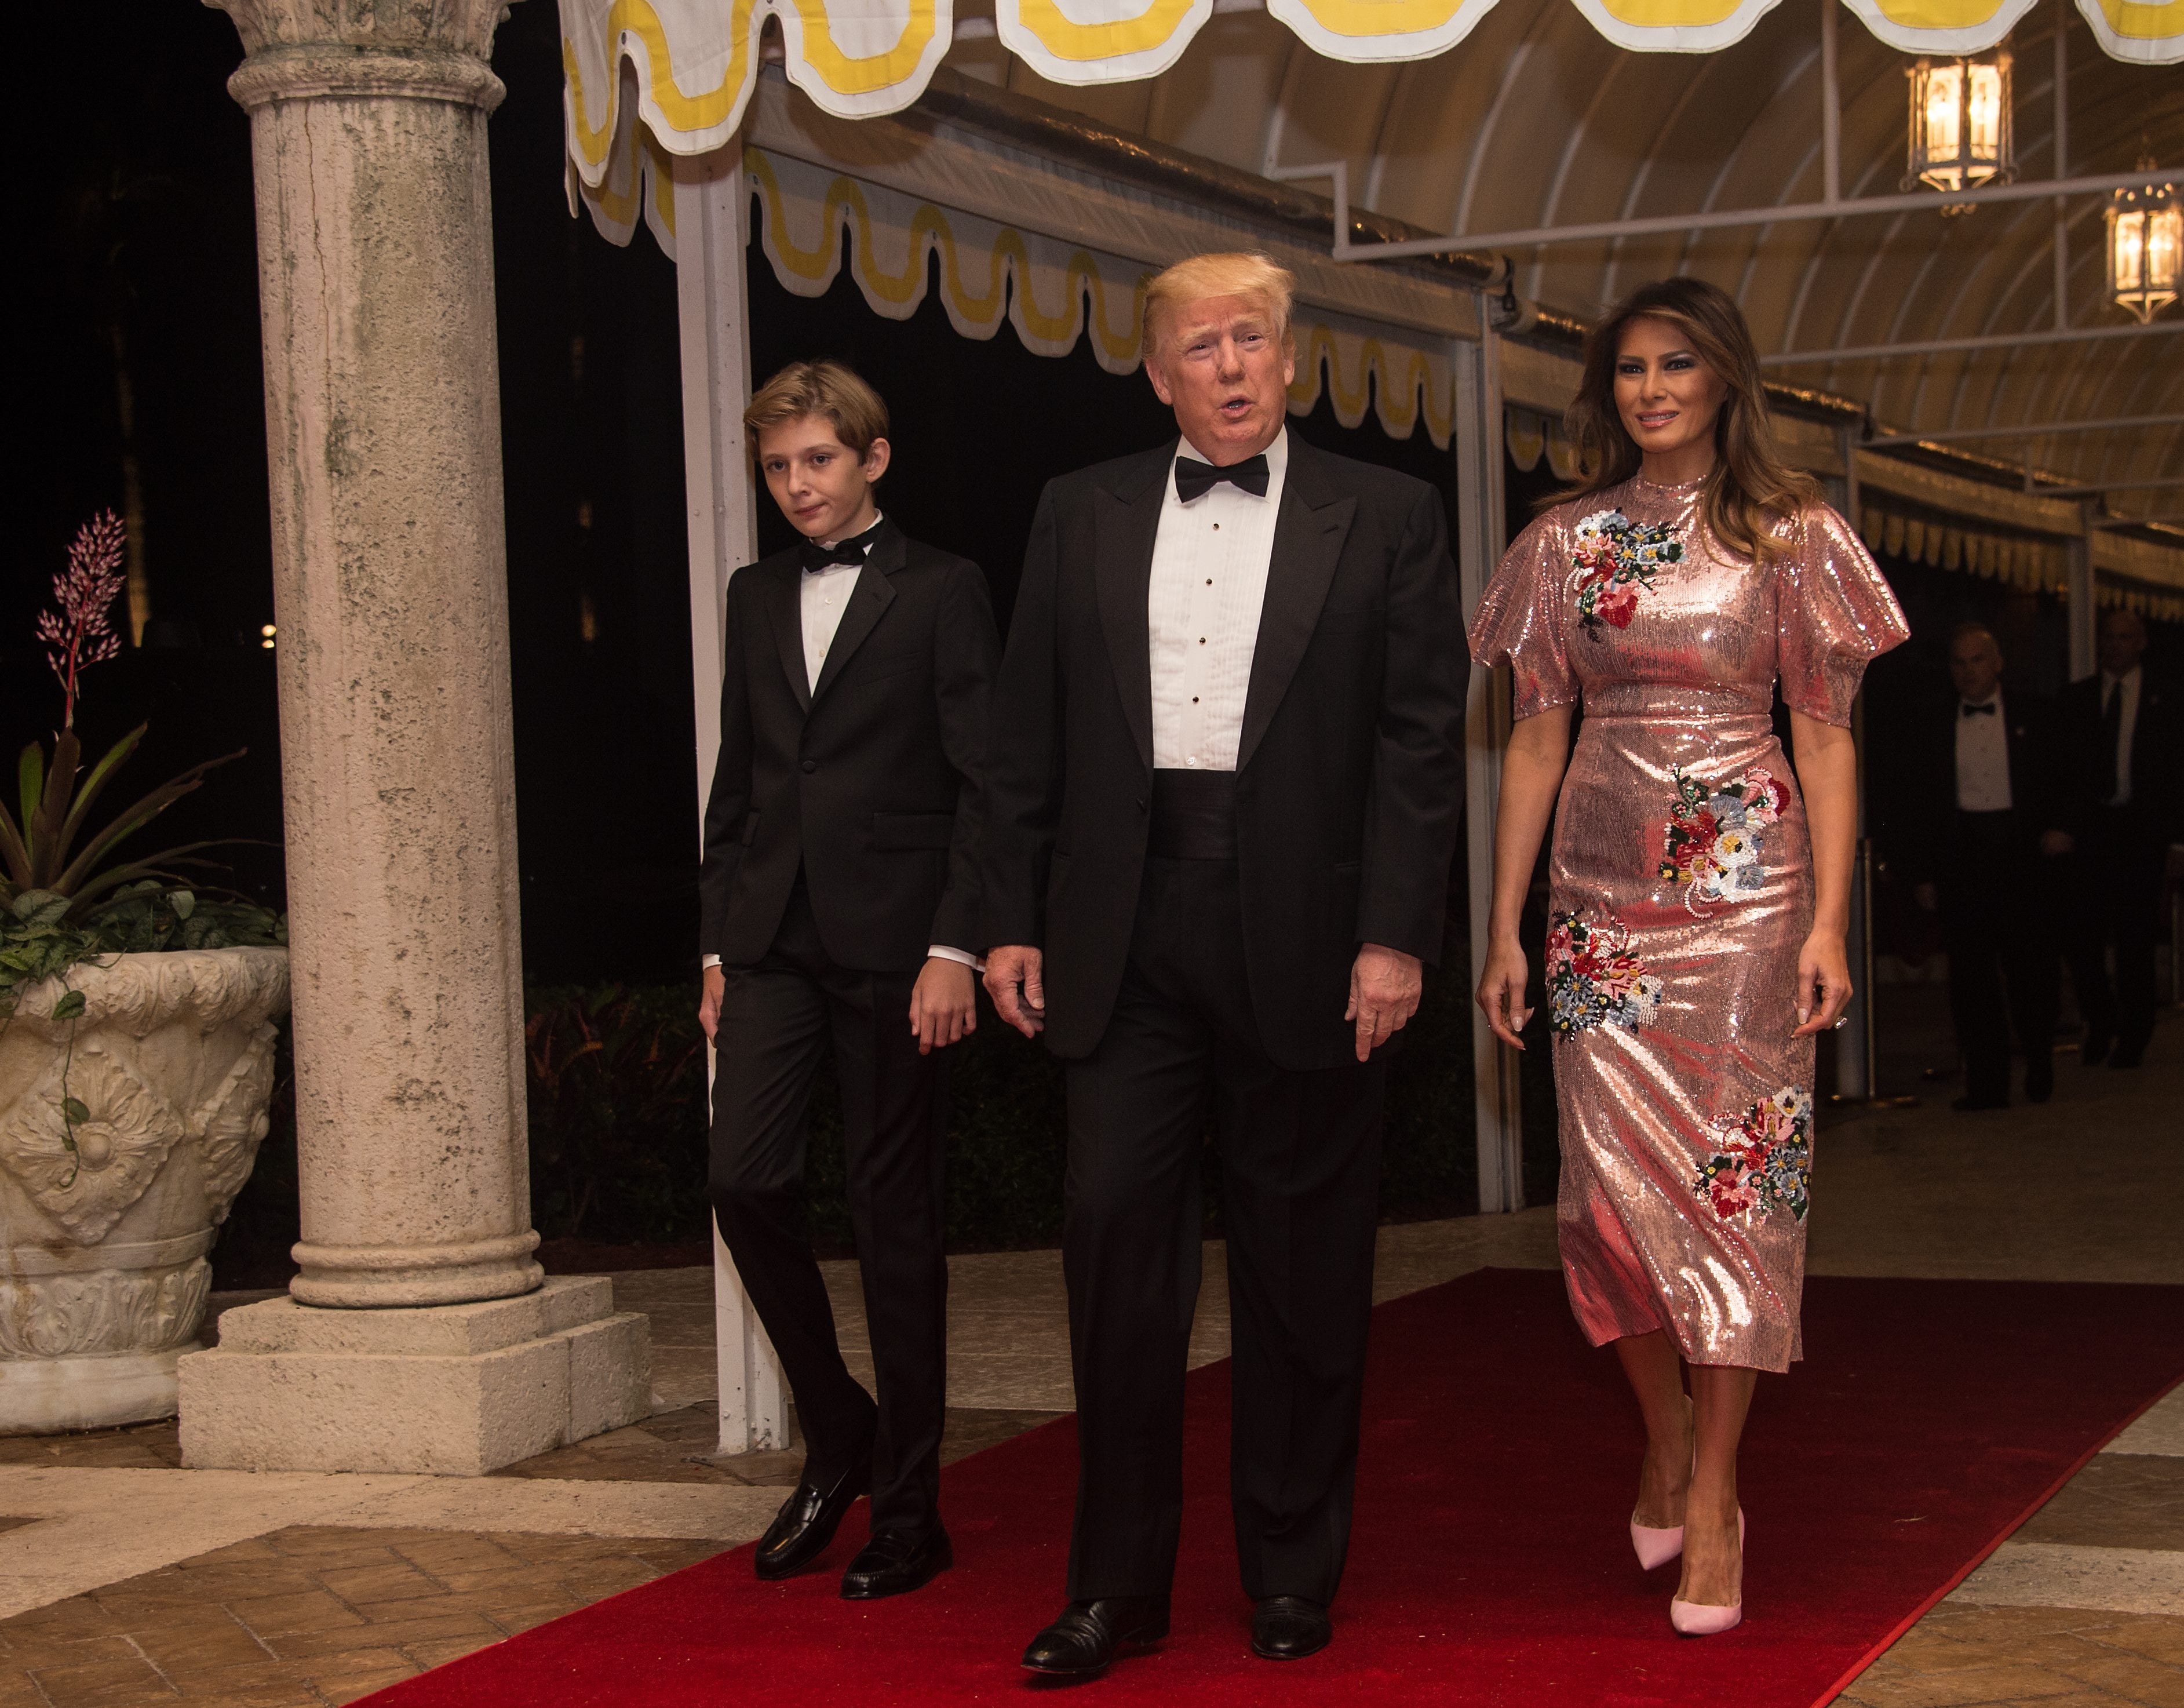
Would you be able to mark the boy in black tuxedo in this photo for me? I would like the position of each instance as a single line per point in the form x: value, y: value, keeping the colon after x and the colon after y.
x: 840, y: 902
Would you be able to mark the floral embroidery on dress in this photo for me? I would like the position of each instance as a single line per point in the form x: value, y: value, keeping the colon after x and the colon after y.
x: 1592, y: 977
x: 1617, y: 559
x: 1711, y: 845
x: 1763, y: 1161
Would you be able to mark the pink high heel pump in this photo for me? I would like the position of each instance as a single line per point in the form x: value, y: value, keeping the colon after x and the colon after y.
x: 1701, y: 1619
x: 1655, y: 1548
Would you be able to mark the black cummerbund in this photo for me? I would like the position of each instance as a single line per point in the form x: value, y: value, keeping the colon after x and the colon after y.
x: 1194, y: 815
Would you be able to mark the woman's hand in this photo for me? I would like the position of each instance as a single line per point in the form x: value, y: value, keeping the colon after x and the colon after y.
x: 1502, y: 992
x: 1822, y: 983
x: 943, y: 1004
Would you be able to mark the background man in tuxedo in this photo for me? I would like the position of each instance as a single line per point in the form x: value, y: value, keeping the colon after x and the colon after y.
x: 1987, y: 849
x: 2127, y: 741
x: 840, y: 901
x: 1221, y: 786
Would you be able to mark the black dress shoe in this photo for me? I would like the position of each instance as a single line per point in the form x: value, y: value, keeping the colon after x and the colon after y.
x: 895, y: 1562
x: 807, y: 1521
x: 1288, y: 1627
x: 1965, y: 1106
x: 2039, y: 1079
x: 1084, y: 1639
x: 2095, y: 1049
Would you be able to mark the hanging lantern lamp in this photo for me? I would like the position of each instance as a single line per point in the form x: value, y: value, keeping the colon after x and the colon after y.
x: 1960, y: 122
x: 2146, y: 248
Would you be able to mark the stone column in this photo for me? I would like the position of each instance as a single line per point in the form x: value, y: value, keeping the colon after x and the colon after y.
x: 375, y: 239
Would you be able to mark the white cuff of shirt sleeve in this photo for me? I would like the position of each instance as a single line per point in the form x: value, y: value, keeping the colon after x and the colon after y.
x: 962, y: 957
x: 708, y: 960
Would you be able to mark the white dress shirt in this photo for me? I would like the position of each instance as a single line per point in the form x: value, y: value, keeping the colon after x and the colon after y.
x: 822, y: 598
x: 1209, y: 581
x: 2128, y: 685
x: 1983, y: 757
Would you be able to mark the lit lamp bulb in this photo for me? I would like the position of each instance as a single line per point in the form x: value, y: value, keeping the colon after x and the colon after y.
x: 1960, y: 124
x: 2146, y: 247
x: 266, y: 633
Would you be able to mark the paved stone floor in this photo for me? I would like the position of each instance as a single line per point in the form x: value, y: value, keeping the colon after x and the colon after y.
x: 126, y: 1581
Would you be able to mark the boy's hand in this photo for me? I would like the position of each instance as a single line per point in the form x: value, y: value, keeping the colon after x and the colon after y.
x: 943, y: 1005
x: 715, y: 987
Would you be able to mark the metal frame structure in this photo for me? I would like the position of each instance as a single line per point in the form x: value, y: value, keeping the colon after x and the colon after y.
x: 2035, y: 430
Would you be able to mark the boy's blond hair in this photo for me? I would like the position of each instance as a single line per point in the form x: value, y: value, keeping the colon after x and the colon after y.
x: 1232, y: 275
x: 828, y: 388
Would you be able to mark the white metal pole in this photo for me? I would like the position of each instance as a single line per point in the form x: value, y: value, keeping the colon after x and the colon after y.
x: 711, y: 204
x: 2083, y: 616
x: 1830, y: 107
x: 1481, y: 533
x: 1855, y: 1074
x: 2062, y: 160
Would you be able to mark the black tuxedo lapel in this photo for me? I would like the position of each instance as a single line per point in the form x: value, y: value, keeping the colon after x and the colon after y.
x: 868, y: 601
x: 785, y: 600
x: 1308, y: 537
x: 1126, y: 525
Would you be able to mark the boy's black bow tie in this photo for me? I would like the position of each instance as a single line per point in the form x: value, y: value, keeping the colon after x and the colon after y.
x: 816, y: 557
x: 1195, y: 479
x: 1972, y: 711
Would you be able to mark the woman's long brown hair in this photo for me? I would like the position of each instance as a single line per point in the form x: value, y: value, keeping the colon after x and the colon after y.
x: 1750, y: 487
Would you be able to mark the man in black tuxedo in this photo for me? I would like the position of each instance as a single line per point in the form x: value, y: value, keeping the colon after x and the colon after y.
x: 1987, y: 851
x: 840, y: 902
x: 1222, y: 786
x: 2127, y: 742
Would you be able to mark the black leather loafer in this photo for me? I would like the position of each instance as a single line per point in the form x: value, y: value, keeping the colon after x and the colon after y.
x: 807, y: 1521
x: 1288, y: 1627
x: 895, y: 1562
x: 1084, y: 1639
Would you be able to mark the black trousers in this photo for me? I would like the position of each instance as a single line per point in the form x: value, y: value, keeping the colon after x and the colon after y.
x: 1997, y: 926
x: 775, y: 1020
x: 1300, y: 1158
x: 2116, y: 904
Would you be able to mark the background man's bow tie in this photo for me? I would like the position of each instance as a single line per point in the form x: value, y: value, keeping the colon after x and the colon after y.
x: 1195, y: 479
x: 1972, y: 711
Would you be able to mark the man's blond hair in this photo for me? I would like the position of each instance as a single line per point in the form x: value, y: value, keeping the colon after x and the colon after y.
x: 828, y: 388
x: 1232, y: 275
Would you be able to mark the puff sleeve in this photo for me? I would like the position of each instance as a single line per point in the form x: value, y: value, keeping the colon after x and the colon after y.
x: 1523, y: 619
x: 1834, y: 614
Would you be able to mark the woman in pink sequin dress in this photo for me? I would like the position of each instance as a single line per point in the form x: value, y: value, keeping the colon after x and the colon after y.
x: 1699, y: 894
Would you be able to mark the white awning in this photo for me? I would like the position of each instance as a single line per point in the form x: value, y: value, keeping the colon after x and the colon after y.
x: 696, y: 61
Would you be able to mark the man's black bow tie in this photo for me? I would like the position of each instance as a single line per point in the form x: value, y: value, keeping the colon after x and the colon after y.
x: 1195, y: 479
x: 816, y: 557
x: 1972, y: 711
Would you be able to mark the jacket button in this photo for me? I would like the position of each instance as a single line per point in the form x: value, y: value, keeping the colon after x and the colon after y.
x: 810, y: 766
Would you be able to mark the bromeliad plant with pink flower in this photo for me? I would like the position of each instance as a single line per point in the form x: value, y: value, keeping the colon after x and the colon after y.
x: 62, y: 903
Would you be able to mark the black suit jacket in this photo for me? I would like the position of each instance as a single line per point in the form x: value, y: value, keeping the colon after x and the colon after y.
x: 2031, y: 730
x: 2157, y: 754
x: 1349, y: 773
x: 872, y: 781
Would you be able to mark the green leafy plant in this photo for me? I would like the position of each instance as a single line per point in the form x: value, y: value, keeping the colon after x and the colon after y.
x: 62, y: 904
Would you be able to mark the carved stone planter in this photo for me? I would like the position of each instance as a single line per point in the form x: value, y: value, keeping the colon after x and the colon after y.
x: 106, y: 1221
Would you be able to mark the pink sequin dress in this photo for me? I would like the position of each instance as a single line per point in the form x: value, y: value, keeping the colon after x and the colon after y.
x: 1682, y: 892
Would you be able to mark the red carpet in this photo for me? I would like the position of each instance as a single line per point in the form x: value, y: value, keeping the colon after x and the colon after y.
x: 1489, y: 1563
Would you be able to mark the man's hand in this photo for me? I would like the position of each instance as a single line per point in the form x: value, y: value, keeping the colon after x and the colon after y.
x: 943, y: 1004
x: 1014, y: 979
x: 1384, y: 993
x: 2055, y: 843
x: 715, y: 986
